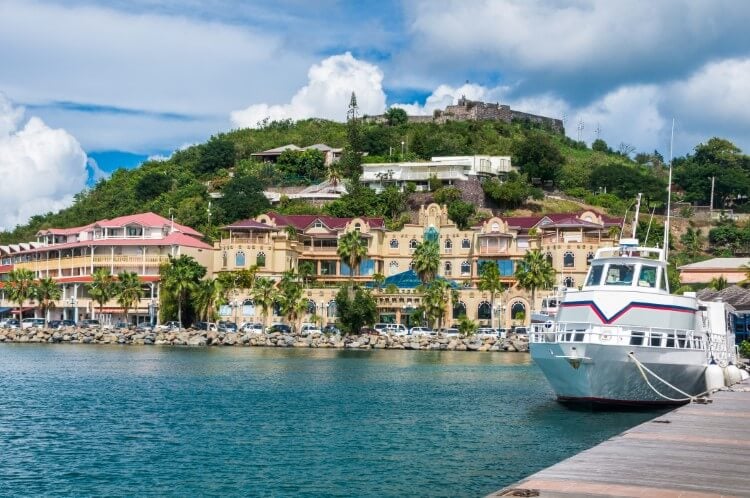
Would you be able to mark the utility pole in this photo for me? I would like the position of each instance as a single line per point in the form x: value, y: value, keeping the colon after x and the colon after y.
x: 713, y: 184
x: 580, y: 129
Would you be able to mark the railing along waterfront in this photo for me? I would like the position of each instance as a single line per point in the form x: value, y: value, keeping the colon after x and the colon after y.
x: 68, y: 263
x: 655, y: 337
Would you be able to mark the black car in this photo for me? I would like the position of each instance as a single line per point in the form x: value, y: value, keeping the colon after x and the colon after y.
x: 224, y: 326
x: 281, y: 327
x: 204, y: 326
x: 331, y: 329
x: 61, y: 324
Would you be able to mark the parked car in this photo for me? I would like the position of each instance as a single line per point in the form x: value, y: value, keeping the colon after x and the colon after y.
x: 521, y: 330
x: 486, y: 333
x: 417, y: 331
x: 166, y: 326
x: 280, y: 327
x: 253, y: 328
x: 10, y: 323
x: 449, y: 332
x: 331, y: 329
x: 309, y: 328
x: 204, y: 326
x: 61, y: 324
x: 502, y: 333
x: 398, y: 329
x: 381, y: 327
x: 369, y: 330
x: 144, y: 327
x: 224, y: 326
x: 28, y: 323
x: 122, y: 326
x: 89, y: 323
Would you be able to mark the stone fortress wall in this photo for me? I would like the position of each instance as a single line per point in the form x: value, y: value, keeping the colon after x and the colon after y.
x: 474, y: 110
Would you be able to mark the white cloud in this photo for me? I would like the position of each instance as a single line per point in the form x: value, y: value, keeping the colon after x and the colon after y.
x: 41, y: 168
x: 445, y: 95
x: 599, y: 44
x: 326, y: 95
x: 96, y: 172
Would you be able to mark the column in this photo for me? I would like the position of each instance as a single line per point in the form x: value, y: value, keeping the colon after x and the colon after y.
x: 112, y: 260
x: 75, y: 303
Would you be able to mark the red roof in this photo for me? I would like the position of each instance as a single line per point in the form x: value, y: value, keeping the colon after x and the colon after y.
x: 144, y: 219
x: 302, y: 221
x: 250, y: 223
x: 523, y: 222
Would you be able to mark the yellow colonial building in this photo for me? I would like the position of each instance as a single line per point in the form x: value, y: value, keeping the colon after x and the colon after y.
x: 276, y: 243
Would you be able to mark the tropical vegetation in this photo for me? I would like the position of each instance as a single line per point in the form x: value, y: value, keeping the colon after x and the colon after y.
x: 534, y: 272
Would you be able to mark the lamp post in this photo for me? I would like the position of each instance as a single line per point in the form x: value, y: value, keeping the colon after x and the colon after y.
x: 72, y: 301
x: 403, y: 143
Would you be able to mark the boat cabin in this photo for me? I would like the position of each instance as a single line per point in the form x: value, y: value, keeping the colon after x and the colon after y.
x: 628, y: 266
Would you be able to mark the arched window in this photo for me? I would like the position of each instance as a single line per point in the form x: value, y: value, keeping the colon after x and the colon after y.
x: 357, y: 227
x: 484, y: 311
x: 393, y: 268
x: 518, y: 311
x: 448, y: 245
x: 569, y: 259
x: 332, y: 310
x: 248, y: 307
x: 394, y: 244
x: 413, y: 245
x: 459, y: 309
x: 312, y: 308
x: 589, y: 258
x: 260, y: 260
x: 411, y: 265
x: 465, y: 268
x: 548, y: 256
x: 276, y: 308
x: 448, y: 268
x: 466, y: 244
x: 239, y: 258
x: 467, y: 284
x: 569, y: 282
x: 496, y: 227
x: 224, y: 259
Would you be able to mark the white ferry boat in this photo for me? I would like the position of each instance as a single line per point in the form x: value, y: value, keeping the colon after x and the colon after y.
x: 624, y: 339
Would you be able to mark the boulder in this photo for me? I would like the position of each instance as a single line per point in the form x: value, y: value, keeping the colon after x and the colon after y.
x: 197, y: 341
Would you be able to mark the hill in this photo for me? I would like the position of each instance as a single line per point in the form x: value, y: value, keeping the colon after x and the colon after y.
x: 180, y: 185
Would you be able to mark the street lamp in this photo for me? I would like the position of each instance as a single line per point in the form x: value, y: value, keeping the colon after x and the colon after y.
x: 402, y: 149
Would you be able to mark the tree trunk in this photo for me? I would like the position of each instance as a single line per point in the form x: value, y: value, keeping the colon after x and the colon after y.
x: 179, y: 310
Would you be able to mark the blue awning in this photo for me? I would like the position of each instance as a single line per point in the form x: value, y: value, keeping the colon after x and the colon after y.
x: 4, y: 310
x: 408, y: 280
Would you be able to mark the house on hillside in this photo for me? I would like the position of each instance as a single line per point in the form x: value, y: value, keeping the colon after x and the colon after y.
x: 332, y: 154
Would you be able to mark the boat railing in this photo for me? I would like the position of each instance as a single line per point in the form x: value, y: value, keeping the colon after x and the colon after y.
x: 650, y: 337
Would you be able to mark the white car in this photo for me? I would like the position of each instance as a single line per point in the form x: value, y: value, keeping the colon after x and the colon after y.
x: 421, y: 331
x: 309, y: 328
x: 397, y: 329
x: 486, y: 333
x: 381, y: 327
x: 253, y: 328
x: 28, y: 323
x: 450, y: 332
x: 521, y: 330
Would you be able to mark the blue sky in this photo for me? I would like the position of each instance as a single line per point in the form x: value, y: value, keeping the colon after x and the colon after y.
x: 128, y: 80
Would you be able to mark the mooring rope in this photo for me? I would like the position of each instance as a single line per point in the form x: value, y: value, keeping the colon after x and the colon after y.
x: 643, y: 369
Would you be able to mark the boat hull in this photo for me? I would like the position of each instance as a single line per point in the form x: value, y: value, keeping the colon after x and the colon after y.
x: 605, y: 374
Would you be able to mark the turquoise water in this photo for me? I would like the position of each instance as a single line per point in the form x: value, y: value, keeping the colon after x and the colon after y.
x: 99, y: 420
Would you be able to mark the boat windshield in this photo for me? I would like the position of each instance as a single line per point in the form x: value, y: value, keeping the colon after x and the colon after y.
x: 647, y: 278
x: 620, y: 274
x: 595, y: 275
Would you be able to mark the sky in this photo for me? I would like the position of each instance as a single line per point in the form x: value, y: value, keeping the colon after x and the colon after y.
x: 87, y: 86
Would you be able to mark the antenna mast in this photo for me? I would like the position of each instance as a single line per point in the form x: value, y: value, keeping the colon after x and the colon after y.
x: 669, y: 196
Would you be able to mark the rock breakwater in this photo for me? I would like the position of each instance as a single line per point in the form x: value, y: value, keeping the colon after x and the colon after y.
x: 191, y: 337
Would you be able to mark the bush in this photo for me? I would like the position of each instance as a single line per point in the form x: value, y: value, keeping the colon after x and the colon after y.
x: 745, y: 349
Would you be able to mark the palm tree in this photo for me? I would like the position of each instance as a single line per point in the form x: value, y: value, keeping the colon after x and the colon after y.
x: 426, y: 260
x: 489, y: 281
x: 378, y: 278
x: 180, y: 276
x: 306, y: 270
x: 352, y: 249
x: 20, y: 287
x: 47, y: 292
x: 102, y: 288
x: 208, y: 294
x: 718, y: 283
x: 436, y: 297
x: 466, y: 327
x: 264, y: 295
x: 534, y: 271
x: 129, y: 291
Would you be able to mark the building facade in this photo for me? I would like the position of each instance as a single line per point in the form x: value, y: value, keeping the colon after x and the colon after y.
x: 138, y: 243
x: 276, y: 243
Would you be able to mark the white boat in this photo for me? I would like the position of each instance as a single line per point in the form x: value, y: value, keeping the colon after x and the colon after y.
x: 624, y: 339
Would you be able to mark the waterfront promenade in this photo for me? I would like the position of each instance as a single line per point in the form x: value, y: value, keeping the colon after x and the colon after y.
x: 697, y: 450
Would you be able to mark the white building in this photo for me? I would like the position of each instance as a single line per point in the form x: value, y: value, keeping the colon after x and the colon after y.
x: 449, y: 169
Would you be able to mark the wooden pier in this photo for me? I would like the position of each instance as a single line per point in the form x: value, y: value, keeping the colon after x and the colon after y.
x: 697, y: 450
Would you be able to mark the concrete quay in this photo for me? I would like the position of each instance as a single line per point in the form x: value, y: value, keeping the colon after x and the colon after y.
x: 694, y: 451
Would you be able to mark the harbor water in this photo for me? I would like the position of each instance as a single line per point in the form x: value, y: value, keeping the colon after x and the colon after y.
x: 106, y: 420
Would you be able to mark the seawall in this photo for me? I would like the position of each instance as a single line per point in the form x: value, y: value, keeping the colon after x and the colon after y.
x: 190, y: 337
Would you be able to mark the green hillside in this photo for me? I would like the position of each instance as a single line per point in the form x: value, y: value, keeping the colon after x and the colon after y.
x: 180, y: 185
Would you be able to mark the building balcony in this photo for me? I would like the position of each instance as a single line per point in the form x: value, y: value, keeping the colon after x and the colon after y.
x: 149, y: 261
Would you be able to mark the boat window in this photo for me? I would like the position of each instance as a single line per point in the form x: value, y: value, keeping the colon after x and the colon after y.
x: 682, y: 341
x: 595, y: 275
x: 620, y: 274
x: 636, y: 338
x: 655, y: 340
x: 647, y: 278
x: 663, y: 280
x: 670, y: 340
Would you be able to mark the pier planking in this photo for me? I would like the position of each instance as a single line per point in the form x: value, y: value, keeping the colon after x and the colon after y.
x: 694, y: 451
